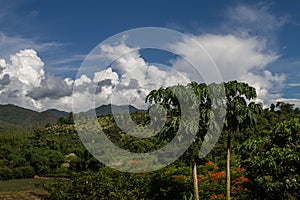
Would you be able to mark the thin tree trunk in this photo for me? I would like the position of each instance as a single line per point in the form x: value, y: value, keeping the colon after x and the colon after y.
x: 195, y: 180
x: 228, y: 167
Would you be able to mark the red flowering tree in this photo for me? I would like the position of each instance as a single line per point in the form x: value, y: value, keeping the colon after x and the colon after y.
x: 211, y: 182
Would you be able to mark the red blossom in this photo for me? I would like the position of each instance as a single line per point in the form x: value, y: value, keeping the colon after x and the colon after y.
x: 209, y: 163
x: 244, y: 179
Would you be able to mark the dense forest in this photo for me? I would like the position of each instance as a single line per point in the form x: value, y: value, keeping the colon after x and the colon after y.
x: 263, y: 147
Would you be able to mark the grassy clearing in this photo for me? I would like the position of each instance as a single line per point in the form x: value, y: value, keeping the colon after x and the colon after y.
x: 24, y: 195
x: 17, y: 185
x: 25, y: 189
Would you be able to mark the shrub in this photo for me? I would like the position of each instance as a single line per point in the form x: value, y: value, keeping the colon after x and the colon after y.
x: 28, y: 171
x: 6, y: 173
x: 23, y: 172
x: 212, y: 182
x: 17, y: 173
x: 171, y: 183
x: 104, y: 184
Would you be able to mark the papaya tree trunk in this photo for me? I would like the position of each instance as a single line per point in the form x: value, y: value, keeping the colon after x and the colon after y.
x: 228, y: 166
x: 195, y: 180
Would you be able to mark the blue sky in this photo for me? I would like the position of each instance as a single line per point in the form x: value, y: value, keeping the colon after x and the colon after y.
x: 62, y: 33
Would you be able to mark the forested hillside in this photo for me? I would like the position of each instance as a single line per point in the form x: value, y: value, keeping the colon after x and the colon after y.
x: 20, y: 116
x: 265, y: 161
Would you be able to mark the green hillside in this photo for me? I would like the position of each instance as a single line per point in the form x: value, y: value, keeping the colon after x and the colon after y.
x: 12, y: 129
x: 16, y: 115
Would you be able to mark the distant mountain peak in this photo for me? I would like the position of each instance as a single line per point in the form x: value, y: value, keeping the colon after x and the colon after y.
x: 109, y: 108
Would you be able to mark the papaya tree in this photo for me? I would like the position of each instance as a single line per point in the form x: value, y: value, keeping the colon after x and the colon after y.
x: 196, y: 99
x: 240, y: 115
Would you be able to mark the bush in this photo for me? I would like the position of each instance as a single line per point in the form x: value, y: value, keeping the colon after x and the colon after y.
x: 23, y: 172
x: 212, y: 182
x: 104, y: 184
x: 272, y: 161
x: 6, y: 173
x: 171, y: 183
x: 17, y: 160
x: 28, y: 171
x: 18, y: 173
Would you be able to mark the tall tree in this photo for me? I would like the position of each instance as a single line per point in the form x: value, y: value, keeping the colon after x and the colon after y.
x: 193, y: 99
x: 241, y: 114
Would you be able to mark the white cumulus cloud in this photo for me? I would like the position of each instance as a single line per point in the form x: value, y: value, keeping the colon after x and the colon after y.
x: 127, y: 80
x: 24, y: 82
x: 237, y: 58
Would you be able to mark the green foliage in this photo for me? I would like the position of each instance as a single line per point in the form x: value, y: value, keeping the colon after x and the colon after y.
x: 13, y: 129
x: 176, y: 182
x: 203, y: 99
x: 270, y: 156
x: 23, y: 172
x: 126, y: 141
x: 170, y: 183
x: 43, y: 152
x: 44, y: 160
x: 66, y: 119
x: 240, y: 113
x: 6, y: 173
x: 104, y: 184
x: 165, y: 183
x: 17, y: 185
x: 11, y: 114
x: 273, y: 161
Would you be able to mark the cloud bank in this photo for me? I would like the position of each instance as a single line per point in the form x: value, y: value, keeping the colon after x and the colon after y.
x: 242, y: 53
x: 130, y: 78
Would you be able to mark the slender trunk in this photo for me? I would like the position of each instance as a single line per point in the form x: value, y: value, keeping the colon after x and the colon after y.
x: 195, y: 180
x: 228, y: 166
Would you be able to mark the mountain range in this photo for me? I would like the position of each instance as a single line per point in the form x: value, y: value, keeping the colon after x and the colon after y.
x: 12, y: 116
